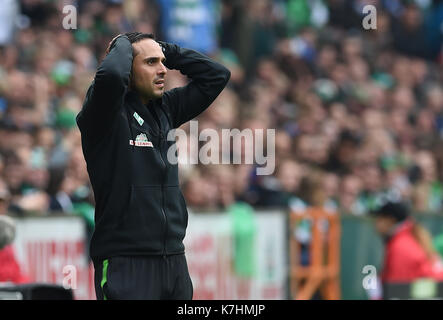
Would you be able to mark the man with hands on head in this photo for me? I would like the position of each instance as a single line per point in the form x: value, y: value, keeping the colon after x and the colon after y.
x: 140, y: 213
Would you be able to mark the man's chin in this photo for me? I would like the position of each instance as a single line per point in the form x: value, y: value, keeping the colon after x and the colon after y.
x: 158, y: 95
x: 155, y: 94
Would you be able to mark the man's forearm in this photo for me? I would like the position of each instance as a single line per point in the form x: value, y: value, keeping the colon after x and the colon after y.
x: 112, y: 76
x: 209, y: 76
x: 106, y: 93
x: 208, y: 79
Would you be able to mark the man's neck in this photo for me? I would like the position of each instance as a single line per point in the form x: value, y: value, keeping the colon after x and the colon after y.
x: 145, y: 100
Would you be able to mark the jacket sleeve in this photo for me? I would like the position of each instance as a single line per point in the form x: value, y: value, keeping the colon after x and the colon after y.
x: 208, y: 78
x: 104, y: 97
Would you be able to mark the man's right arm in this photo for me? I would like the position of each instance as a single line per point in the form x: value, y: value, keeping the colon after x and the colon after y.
x: 106, y: 93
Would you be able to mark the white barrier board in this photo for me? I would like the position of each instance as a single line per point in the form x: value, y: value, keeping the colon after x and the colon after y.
x: 48, y: 247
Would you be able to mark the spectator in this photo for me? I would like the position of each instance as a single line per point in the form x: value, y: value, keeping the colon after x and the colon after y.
x: 408, y: 32
x: 278, y: 190
x: 10, y: 271
x: 409, y: 254
x: 350, y: 188
x: 428, y: 192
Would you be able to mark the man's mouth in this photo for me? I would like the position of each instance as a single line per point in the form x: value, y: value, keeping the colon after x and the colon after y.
x: 160, y: 83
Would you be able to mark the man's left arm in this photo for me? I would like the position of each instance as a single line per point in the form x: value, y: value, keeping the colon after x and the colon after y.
x: 208, y: 79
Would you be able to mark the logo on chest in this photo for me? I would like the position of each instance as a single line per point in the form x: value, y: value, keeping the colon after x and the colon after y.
x: 141, y: 141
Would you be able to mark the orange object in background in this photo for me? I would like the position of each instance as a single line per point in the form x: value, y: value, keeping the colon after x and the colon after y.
x: 323, y: 272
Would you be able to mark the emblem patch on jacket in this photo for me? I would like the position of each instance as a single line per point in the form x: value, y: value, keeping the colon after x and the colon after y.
x: 138, y: 118
x: 141, y: 141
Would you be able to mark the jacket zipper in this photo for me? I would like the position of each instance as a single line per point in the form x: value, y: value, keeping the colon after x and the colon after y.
x: 163, y: 198
x: 162, y: 184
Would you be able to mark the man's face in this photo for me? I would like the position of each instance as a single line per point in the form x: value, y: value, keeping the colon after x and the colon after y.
x: 148, y: 70
x: 384, y: 224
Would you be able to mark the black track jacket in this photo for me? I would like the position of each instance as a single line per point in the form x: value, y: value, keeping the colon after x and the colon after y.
x: 140, y: 209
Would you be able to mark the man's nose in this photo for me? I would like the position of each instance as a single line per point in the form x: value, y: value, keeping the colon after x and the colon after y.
x: 162, y: 69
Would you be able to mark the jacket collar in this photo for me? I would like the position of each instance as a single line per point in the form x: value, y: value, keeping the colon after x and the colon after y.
x: 150, y: 123
x: 400, y: 228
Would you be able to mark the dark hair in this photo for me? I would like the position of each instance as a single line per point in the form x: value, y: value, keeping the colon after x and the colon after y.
x: 397, y: 210
x: 138, y: 36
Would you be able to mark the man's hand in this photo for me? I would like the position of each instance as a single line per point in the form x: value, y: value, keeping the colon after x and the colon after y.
x: 110, y: 43
x: 162, y: 45
x: 170, y: 51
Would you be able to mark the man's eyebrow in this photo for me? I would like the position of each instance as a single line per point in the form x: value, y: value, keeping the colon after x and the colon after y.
x: 155, y: 58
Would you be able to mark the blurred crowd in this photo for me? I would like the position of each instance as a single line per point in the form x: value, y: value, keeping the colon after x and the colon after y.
x: 358, y: 114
